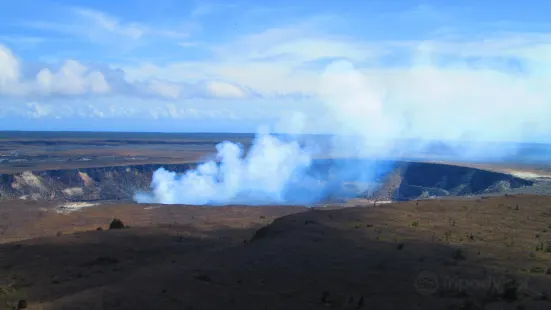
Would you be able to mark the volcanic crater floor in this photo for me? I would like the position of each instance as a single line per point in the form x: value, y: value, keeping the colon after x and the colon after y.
x: 481, y: 253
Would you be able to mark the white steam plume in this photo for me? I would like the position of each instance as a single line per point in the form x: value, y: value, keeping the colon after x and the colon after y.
x: 376, y: 116
x: 262, y: 176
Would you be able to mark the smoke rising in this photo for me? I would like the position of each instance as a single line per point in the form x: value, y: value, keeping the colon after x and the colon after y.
x: 264, y: 175
x: 372, y: 116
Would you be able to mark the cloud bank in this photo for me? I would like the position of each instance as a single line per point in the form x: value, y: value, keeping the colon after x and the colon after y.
x: 72, y: 78
x: 276, y: 68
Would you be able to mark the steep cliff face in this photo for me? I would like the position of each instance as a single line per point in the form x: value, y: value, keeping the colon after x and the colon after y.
x: 105, y: 183
x: 422, y: 180
x: 405, y: 181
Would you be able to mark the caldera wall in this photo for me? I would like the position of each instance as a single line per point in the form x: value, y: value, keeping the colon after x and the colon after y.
x: 422, y: 180
x: 405, y: 181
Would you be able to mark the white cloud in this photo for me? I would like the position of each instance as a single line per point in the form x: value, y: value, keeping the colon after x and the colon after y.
x: 72, y: 78
x: 75, y: 79
x: 301, y: 42
x: 97, y: 83
x: 225, y: 90
x: 9, y: 69
x: 272, y: 62
x: 94, y: 112
x: 491, y: 102
x: 111, y: 24
x: 36, y: 110
x: 179, y: 111
x: 269, y: 78
x: 101, y: 21
x: 101, y: 28
x: 164, y: 89
x: 117, y: 108
x: 286, y: 60
x: 121, y: 111
x: 311, y: 49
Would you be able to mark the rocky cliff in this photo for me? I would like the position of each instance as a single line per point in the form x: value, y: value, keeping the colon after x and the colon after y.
x: 423, y: 180
x: 406, y: 181
x: 105, y: 183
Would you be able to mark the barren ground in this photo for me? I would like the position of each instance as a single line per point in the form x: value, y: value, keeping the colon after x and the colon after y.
x: 434, y: 254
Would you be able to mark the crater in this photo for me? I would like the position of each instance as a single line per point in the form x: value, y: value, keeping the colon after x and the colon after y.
x: 380, y: 180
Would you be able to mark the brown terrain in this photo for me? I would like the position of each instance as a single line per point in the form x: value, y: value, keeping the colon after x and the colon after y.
x: 485, y: 253
x: 485, y: 244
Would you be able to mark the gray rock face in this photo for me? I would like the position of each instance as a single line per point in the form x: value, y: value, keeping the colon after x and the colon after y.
x: 105, y: 183
x: 424, y: 180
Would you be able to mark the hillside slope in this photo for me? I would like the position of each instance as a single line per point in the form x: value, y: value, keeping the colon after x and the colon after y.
x: 491, y: 253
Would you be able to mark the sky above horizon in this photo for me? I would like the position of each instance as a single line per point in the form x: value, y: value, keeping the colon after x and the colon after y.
x: 232, y: 66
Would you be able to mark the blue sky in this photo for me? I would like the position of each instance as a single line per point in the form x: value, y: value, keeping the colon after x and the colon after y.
x: 170, y: 65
